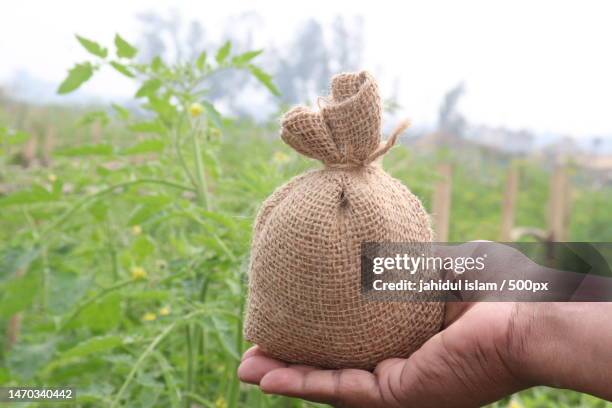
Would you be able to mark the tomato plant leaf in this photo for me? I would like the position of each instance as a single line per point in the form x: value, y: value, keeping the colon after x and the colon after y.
x: 18, y: 294
x: 213, y: 114
x: 86, y: 150
x: 94, y: 116
x: 77, y: 76
x: 148, y: 88
x: 142, y: 248
x: 201, y: 61
x: 147, y: 127
x: 123, y: 69
x: 36, y: 194
x: 93, y: 47
x: 123, y: 113
x: 93, y: 345
x: 100, y: 316
x: 146, y: 146
x: 245, y: 57
x: 223, y: 52
x: 124, y: 48
x: 264, y: 78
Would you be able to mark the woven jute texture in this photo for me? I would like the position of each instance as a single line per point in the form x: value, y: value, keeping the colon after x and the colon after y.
x: 305, y: 304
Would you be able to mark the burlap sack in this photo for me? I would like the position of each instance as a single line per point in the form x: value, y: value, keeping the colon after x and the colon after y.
x: 304, y: 303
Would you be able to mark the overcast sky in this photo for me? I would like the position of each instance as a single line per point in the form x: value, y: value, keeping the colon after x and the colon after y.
x: 543, y: 65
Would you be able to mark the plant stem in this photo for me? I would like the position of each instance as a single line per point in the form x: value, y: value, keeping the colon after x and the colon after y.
x: 151, y: 348
x: 92, y: 299
x: 189, y: 364
x: 202, y: 188
x: 91, y: 198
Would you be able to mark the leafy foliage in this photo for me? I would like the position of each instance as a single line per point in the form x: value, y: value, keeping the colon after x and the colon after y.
x: 127, y: 264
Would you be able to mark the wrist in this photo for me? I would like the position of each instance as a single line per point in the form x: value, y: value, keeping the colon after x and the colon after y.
x: 563, y: 345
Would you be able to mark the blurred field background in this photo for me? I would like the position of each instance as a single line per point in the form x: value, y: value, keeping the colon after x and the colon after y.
x: 125, y: 221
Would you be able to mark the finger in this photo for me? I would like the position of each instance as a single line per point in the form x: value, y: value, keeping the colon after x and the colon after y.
x: 253, y: 351
x: 386, y: 365
x: 254, y: 368
x: 347, y: 387
x: 467, y: 380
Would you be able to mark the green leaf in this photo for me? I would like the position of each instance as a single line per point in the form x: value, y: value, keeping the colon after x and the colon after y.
x: 25, y: 360
x: 123, y: 113
x: 77, y: 76
x: 123, y: 69
x: 146, y: 146
x: 264, y: 78
x: 223, y: 52
x: 100, y: 316
x: 148, y: 88
x: 245, y: 57
x: 18, y: 294
x: 201, y: 61
x: 223, y: 334
x: 124, y: 48
x: 166, y: 111
x: 93, y: 345
x: 13, y: 137
x: 149, y: 295
x: 94, y: 116
x: 86, y: 150
x: 147, y: 127
x: 157, y: 64
x: 93, y: 47
x: 142, y: 248
x: 153, y: 206
x: 37, y: 194
x: 4, y: 375
x: 99, y: 210
x: 213, y: 114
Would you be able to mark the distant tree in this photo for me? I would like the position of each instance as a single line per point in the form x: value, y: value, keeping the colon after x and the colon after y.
x: 450, y: 120
x: 156, y: 32
x: 301, y: 73
x: 347, y: 44
x: 596, y: 144
x: 304, y: 72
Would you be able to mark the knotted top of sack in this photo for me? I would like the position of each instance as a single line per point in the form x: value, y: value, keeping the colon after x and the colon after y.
x: 346, y: 131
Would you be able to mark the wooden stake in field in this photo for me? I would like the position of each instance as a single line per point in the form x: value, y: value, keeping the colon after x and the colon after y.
x: 28, y: 151
x: 558, y: 205
x: 49, y: 142
x: 96, y: 132
x: 509, y: 204
x: 441, y: 203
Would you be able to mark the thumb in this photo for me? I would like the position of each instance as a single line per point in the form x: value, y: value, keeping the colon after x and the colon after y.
x: 440, y: 376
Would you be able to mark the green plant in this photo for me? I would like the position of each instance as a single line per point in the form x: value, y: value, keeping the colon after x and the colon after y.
x: 124, y: 261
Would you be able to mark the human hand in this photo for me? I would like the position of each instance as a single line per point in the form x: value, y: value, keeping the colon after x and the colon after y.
x: 469, y: 363
x: 486, y: 351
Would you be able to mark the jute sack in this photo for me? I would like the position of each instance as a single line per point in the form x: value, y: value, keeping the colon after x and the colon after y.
x: 304, y: 302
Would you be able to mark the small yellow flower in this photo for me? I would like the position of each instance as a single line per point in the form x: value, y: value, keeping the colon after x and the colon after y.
x: 515, y: 404
x: 220, y: 403
x: 136, y: 230
x: 280, y: 158
x: 164, y: 311
x: 149, y: 317
x: 52, y: 178
x: 196, y: 109
x: 138, y: 273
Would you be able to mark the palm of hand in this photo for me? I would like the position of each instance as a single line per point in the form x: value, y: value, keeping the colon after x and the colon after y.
x: 465, y: 365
